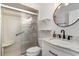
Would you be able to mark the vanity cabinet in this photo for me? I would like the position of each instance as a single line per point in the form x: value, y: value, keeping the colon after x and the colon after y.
x: 53, y: 50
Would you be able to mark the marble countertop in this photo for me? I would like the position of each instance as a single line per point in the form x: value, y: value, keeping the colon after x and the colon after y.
x: 65, y: 44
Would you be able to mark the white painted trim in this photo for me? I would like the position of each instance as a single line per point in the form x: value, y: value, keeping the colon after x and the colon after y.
x: 18, y: 9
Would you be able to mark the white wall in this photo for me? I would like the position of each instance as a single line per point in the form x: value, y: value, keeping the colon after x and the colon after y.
x: 46, y: 11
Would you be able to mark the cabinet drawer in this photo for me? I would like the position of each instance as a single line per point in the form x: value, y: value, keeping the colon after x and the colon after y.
x: 57, y: 51
x: 63, y: 51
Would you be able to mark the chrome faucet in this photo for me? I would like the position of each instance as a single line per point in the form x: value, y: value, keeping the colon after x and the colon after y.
x: 63, y: 33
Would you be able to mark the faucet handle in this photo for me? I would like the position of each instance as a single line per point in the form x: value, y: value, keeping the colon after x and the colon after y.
x: 69, y: 37
x: 59, y: 35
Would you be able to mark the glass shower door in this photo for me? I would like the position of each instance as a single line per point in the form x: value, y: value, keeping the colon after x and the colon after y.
x: 11, y: 26
x: 19, y: 32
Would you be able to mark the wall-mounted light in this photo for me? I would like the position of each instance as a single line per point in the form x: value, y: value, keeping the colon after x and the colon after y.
x: 66, y: 4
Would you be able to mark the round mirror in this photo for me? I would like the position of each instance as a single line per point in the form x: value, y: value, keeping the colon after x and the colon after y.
x: 66, y: 14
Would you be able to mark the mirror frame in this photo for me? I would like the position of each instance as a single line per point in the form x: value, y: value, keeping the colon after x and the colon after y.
x: 60, y: 25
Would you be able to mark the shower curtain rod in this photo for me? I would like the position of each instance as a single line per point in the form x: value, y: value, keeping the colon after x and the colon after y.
x: 21, y: 10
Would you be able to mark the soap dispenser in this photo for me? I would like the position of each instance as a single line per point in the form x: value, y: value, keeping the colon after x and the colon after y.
x: 54, y: 35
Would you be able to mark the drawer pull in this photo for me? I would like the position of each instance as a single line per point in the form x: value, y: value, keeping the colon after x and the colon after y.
x: 53, y: 53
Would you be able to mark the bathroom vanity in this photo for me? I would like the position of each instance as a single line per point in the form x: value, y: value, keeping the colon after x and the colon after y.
x: 63, y: 44
x: 56, y: 47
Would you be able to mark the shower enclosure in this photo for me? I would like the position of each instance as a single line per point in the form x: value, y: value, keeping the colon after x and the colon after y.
x: 19, y: 32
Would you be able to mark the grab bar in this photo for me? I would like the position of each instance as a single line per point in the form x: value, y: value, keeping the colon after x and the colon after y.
x: 19, y: 33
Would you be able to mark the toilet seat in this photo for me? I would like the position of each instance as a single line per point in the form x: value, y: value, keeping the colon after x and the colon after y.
x: 33, y: 51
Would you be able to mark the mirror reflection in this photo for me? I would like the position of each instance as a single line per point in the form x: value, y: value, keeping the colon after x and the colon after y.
x: 66, y: 14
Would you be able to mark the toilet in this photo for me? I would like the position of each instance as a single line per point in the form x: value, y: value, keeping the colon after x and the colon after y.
x: 33, y: 51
